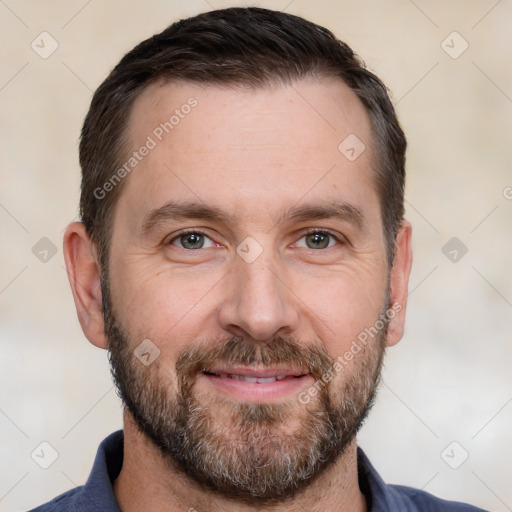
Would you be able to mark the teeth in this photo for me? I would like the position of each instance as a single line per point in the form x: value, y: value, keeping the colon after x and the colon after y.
x: 261, y: 380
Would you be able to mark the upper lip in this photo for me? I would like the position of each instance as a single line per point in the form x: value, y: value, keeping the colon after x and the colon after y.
x: 255, y: 372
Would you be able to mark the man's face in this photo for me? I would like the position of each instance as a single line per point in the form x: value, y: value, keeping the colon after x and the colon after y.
x: 251, y: 291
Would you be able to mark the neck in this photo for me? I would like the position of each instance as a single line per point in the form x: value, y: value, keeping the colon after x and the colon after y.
x: 148, y: 481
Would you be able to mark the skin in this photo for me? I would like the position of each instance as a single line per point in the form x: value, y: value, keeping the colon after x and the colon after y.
x: 254, y: 154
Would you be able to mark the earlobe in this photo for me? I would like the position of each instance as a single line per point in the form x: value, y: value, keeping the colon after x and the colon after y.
x: 399, y: 281
x: 83, y: 273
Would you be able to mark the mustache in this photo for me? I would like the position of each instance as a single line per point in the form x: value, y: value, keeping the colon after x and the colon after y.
x: 242, y: 351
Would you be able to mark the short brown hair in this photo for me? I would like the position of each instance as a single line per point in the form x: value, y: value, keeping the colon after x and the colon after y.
x: 251, y: 47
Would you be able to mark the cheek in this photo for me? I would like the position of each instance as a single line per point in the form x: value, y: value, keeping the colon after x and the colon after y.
x: 165, y: 305
x: 173, y: 306
x: 343, y: 306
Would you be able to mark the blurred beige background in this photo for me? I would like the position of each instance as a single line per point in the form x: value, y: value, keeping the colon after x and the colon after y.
x: 448, y: 381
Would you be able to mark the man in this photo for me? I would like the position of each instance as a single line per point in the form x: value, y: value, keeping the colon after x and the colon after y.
x: 243, y: 257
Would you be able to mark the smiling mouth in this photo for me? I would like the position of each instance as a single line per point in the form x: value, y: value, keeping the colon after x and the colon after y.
x: 248, y: 378
x: 256, y: 384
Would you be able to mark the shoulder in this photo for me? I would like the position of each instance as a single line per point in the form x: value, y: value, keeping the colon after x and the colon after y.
x: 425, y: 502
x: 69, y: 500
x: 97, y: 494
x: 400, y: 498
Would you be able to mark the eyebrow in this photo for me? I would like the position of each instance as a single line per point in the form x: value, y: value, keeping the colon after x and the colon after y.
x: 174, y: 210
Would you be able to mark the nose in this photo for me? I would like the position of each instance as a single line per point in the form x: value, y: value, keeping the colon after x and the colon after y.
x: 257, y: 302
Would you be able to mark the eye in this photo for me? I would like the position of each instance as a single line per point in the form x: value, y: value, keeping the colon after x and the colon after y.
x: 320, y: 239
x: 192, y: 240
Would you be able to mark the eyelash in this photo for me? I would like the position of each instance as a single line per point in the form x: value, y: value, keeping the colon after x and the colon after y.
x: 309, y: 232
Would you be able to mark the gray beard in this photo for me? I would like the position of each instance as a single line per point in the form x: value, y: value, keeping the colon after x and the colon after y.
x: 241, y: 450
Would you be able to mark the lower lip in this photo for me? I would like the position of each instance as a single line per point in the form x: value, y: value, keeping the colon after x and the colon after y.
x: 255, y: 391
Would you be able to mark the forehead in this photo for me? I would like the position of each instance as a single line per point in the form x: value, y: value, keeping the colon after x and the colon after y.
x: 248, y: 148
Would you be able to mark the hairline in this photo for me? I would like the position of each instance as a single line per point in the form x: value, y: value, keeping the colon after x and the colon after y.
x: 125, y: 144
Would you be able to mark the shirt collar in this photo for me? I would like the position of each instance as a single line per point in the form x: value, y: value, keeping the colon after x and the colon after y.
x: 98, y: 489
x: 380, y: 497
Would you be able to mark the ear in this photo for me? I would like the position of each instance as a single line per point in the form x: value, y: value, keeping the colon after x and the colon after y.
x: 399, y: 281
x: 84, y: 278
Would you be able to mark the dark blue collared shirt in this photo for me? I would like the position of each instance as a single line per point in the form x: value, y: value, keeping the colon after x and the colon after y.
x: 97, y: 494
